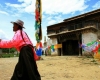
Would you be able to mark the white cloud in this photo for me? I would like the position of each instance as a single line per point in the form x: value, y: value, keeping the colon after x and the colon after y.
x: 3, y: 35
x: 51, y: 22
x: 49, y: 18
x: 59, y: 18
x: 51, y: 6
x: 17, y: 15
x: 43, y: 16
x: 30, y: 8
x: 97, y: 5
x: 25, y: 6
x: 26, y: 1
x: 54, y: 19
x: 64, y: 7
x: 3, y: 12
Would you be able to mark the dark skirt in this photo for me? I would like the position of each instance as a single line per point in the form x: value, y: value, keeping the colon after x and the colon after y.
x: 26, y: 68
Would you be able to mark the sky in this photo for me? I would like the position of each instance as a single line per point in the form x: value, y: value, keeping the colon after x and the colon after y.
x: 53, y: 12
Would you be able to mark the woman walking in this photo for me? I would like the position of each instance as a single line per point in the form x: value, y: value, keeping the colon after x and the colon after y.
x: 26, y: 68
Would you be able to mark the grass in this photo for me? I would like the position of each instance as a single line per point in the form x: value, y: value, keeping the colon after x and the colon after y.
x: 8, y: 55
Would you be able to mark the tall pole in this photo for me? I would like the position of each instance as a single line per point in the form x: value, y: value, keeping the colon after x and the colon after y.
x: 38, y: 20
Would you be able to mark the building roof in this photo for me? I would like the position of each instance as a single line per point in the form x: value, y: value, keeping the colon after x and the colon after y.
x: 83, y: 15
x: 77, y: 17
x: 56, y: 24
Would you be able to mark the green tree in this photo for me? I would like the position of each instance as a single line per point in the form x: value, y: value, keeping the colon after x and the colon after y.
x: 5, y: 50
x: 12, y: 50
x: 8, y: 50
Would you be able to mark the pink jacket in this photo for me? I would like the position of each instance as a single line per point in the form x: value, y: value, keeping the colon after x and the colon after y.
x: 17, y: 41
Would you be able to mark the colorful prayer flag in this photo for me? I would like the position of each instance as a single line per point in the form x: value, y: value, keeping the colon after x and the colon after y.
x: 38, y: 19
x: 38, y: 28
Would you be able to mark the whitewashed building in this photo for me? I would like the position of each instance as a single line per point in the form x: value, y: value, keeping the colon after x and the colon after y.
x: 73, y: 31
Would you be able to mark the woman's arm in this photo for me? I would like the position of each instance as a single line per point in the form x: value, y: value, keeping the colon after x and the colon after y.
x: 10, y: 43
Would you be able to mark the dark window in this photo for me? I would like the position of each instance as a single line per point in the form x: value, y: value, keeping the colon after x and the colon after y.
x: 50, y: 31
x: 71, y: 27
x: 64, y: 28
x: 78, y: 26
x: 90, y: 24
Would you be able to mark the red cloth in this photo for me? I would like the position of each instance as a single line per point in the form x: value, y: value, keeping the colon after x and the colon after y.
x: 37, y: 16
x: 36, y: 57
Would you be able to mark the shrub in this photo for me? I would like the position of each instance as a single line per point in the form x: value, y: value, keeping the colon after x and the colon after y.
x: 8, y: 55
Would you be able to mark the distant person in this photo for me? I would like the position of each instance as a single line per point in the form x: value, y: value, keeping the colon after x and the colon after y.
x: 46, y: 52
x: 26, y: 68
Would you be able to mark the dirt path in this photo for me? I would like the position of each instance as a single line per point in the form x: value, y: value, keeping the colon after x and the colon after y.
x: 57, y: 68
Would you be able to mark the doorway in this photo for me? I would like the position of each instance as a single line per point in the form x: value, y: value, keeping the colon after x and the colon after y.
x: 70, y: 47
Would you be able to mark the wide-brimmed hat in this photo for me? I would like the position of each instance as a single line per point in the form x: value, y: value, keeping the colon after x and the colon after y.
x: 19, y: 22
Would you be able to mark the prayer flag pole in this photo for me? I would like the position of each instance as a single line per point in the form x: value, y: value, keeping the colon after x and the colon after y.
x: 38, y: 27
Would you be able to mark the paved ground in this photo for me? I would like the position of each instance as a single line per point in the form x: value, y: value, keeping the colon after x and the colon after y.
x: 57, y: 68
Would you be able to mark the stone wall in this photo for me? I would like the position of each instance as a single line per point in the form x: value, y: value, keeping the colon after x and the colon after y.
x: 87, y: 38
x: 53, y: 41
